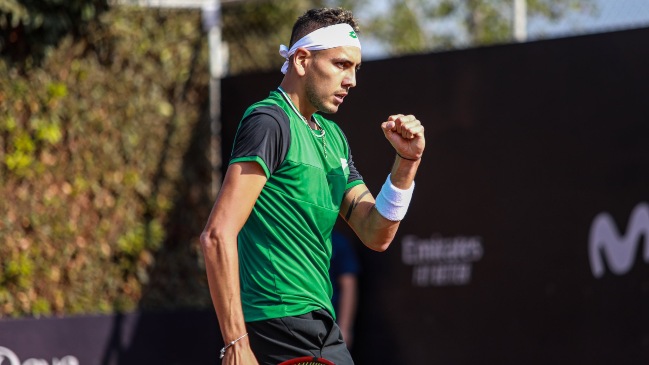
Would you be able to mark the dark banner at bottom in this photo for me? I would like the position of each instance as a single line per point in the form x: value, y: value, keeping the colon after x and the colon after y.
x: 178, y: 338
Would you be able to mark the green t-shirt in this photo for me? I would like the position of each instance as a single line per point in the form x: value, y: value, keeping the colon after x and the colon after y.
x: 285, y: 245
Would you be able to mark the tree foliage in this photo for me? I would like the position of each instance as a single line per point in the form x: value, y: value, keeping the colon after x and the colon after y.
x: 92, y: 165
x: 253, y: 31
x: 29, y: 28
x: 409, y: 25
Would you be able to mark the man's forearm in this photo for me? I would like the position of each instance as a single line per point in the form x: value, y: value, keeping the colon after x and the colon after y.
x: 222, y: 266
x: 403, y: 172
x: 239, y: 191
x: 375, y: 230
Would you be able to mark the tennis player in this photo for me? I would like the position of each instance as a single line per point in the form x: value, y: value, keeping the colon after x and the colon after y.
x: 267, y: 242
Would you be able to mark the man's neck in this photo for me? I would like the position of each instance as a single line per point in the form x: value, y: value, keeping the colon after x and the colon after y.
x: 300, y: 102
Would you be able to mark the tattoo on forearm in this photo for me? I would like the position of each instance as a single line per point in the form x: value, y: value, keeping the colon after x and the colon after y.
x: 352, y: 206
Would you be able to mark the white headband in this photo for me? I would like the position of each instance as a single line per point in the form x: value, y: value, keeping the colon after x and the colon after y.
x: 333, y: 36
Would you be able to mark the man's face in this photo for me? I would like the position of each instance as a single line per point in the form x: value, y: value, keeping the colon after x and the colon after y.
x: 330, y: 76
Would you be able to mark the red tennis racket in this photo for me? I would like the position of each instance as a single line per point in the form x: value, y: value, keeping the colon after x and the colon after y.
x: 307, y: 360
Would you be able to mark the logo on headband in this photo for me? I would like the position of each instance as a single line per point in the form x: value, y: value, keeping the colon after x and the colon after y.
x: 353, y: 34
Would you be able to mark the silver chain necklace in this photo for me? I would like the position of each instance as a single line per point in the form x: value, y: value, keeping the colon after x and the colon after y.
x: 314, y: 132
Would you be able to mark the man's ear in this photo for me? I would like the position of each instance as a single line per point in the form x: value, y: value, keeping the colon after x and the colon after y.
x: 301, y: 59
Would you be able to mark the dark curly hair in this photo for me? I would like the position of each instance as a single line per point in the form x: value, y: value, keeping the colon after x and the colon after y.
x: 318, y: 18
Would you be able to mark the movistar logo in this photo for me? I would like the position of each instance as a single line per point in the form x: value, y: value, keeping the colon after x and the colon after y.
x: 353, y: 34
x: 618, y: 249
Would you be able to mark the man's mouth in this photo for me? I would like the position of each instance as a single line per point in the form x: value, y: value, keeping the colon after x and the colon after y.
x: 339, y: 97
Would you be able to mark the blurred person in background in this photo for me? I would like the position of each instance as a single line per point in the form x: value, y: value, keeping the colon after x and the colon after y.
x: 343, y: 274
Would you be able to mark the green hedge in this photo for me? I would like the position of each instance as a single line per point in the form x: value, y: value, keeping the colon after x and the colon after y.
x: 104, y: 178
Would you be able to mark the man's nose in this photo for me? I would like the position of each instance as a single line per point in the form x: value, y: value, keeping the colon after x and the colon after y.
x: 350, y: 79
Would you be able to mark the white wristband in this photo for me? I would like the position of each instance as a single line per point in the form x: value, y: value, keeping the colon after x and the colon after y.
x: 392, y: 202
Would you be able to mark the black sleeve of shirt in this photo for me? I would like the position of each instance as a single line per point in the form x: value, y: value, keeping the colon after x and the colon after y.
x: 353, y: 172
x: 264, y: 133
x: 354, y: 175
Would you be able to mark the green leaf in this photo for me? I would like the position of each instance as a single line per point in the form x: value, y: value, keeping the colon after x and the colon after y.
x: 57, y: 90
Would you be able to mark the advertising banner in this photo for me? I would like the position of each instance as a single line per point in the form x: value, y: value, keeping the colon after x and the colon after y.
x: 170, y: 338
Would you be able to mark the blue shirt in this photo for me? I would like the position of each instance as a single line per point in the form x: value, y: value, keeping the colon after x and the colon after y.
x: 343, y: 261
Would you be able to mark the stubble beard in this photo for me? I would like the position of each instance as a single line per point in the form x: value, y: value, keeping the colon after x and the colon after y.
x: 316, y: 100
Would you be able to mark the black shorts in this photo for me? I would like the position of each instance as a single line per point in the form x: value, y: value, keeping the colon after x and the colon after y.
x: 312, y: 334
